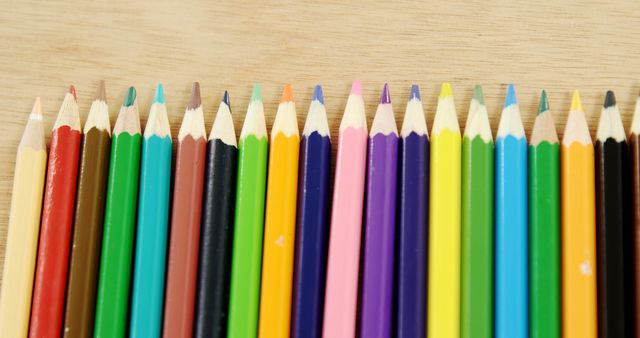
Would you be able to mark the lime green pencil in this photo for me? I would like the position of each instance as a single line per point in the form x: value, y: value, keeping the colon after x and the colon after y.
x: 476, y: 308
x: 119, y: 223
x: 244, y: 296
x: 544, y: 226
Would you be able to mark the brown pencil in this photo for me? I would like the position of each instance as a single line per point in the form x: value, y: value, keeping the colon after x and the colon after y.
x: 87, y: 231
x: 184, y: 242
x: 634, y: 158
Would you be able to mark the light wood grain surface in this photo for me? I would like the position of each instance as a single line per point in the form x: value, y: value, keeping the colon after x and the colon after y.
x: 47, y: 45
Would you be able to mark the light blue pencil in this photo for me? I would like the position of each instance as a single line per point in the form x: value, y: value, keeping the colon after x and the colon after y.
x: 511, y: 231
x: 153, y: 211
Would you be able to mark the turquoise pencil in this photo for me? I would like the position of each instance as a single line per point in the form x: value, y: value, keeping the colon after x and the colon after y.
x: 151, y: 237
x: 511, y: 244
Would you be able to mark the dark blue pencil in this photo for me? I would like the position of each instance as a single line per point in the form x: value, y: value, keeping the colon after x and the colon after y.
x: 411, y: 252
x: 312, y: 223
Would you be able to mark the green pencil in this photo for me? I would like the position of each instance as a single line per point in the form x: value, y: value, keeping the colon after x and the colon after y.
x: 476, y: 317
x: 244, y: 296
x: 119, y: 223
x: 544, y: 226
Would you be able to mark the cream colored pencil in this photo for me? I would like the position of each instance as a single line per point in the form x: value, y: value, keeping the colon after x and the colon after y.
x: 24, y: 224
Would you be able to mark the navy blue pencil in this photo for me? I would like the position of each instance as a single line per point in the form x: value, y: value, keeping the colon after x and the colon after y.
x: 312, y: 226
x: 413, y: 216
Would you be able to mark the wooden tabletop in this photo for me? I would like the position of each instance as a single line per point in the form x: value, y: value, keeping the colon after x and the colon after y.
x: 229, y: 45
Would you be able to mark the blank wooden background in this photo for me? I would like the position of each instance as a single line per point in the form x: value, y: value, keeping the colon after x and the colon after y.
x: 47, y: 45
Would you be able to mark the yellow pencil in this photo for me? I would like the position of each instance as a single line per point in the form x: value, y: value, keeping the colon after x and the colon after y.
x: 579, y: 295
x: 444, y: 221
x: 280, y: 222
x: 24, y: 225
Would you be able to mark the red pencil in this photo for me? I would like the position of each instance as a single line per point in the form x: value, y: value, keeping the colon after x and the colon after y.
x: 57, y: 218
x: 182, y: 272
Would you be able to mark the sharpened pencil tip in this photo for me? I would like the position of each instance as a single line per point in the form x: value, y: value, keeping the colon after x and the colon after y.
x: 226, y: 100
x: 445, y: 90
x: 256, y: 94
x: 511, y: 96
x: 131, y: 97
x: 287, y: 94
x: 385, y: 97
x: 36, y: 111
x: 576, y: 104
x: 610, y: 99
x: 478, y: 94
x: 415, y: 92
x: 544, y: 102
x: 356, y: 88
x: 318, y: 95
x: 101, y: 92
x: 72, y: 91
x: 195, y: 101
x: 159, y: 97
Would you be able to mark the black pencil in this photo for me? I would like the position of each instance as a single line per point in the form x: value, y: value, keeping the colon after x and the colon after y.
x: 216, y: 235
x: 612, y: 222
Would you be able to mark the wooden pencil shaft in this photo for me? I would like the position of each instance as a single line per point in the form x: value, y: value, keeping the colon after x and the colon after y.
x: 312, y: 233
x: 87, y: 234
x: 634, y: 159
x: 184, y: 242
x: 477, y: 238
x: 613, y: 224
x: 244, y: 292
x: 55, y: 234
x: 544, y: 240
x: 216, y: 240
x: 117, y: 246
x: 22, y: 241
x: 147, y: 295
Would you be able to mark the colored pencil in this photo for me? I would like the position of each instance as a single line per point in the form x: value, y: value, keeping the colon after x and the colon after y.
x: 147, y: 295
x: 186, y: 213
x: 216, y: 234
x: 312, y: 226
x: 579, y: 302
x: 89, y: 216
x: 511, y: 244
x: 443, y: 301
x: 413, y: 218
x: 612, y: 223
x: 24, y: 225
x: 343, y: 260
x: 476, y: 283
x: 380, y: 222
x: 544, y: 226
x: 634, y: 153
x: 119, y: 222
x: 244, y: 294
x: 57, y: 219
x: 280, y: 221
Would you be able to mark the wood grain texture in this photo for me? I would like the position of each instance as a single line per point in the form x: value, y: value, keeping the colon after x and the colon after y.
x: 230, y: 44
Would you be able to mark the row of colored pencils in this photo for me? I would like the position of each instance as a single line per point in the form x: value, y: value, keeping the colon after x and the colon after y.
x: 448, y: 237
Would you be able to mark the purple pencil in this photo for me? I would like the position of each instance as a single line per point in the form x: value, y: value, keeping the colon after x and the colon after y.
x: 380, y: 221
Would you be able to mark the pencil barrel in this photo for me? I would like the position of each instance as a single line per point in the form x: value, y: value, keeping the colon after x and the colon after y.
x: 312, y: 233
x: 476, y: 283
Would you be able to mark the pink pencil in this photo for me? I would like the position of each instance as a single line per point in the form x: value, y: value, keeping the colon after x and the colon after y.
x: 346, y: 221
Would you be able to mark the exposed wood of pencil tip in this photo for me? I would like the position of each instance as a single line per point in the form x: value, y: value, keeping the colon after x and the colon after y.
x: 193, y: 120
x: 68, y: 114
x: 99, y: 112
x: 128, y: 119
x: 544, y: 128
x: 33, y: 136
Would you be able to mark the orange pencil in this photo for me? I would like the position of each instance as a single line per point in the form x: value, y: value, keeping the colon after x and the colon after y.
x: 579, y: 301
x: 280, y: 222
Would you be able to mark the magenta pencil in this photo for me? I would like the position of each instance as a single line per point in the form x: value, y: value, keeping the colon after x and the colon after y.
x: 346, y: 220
x: 380, y: 218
